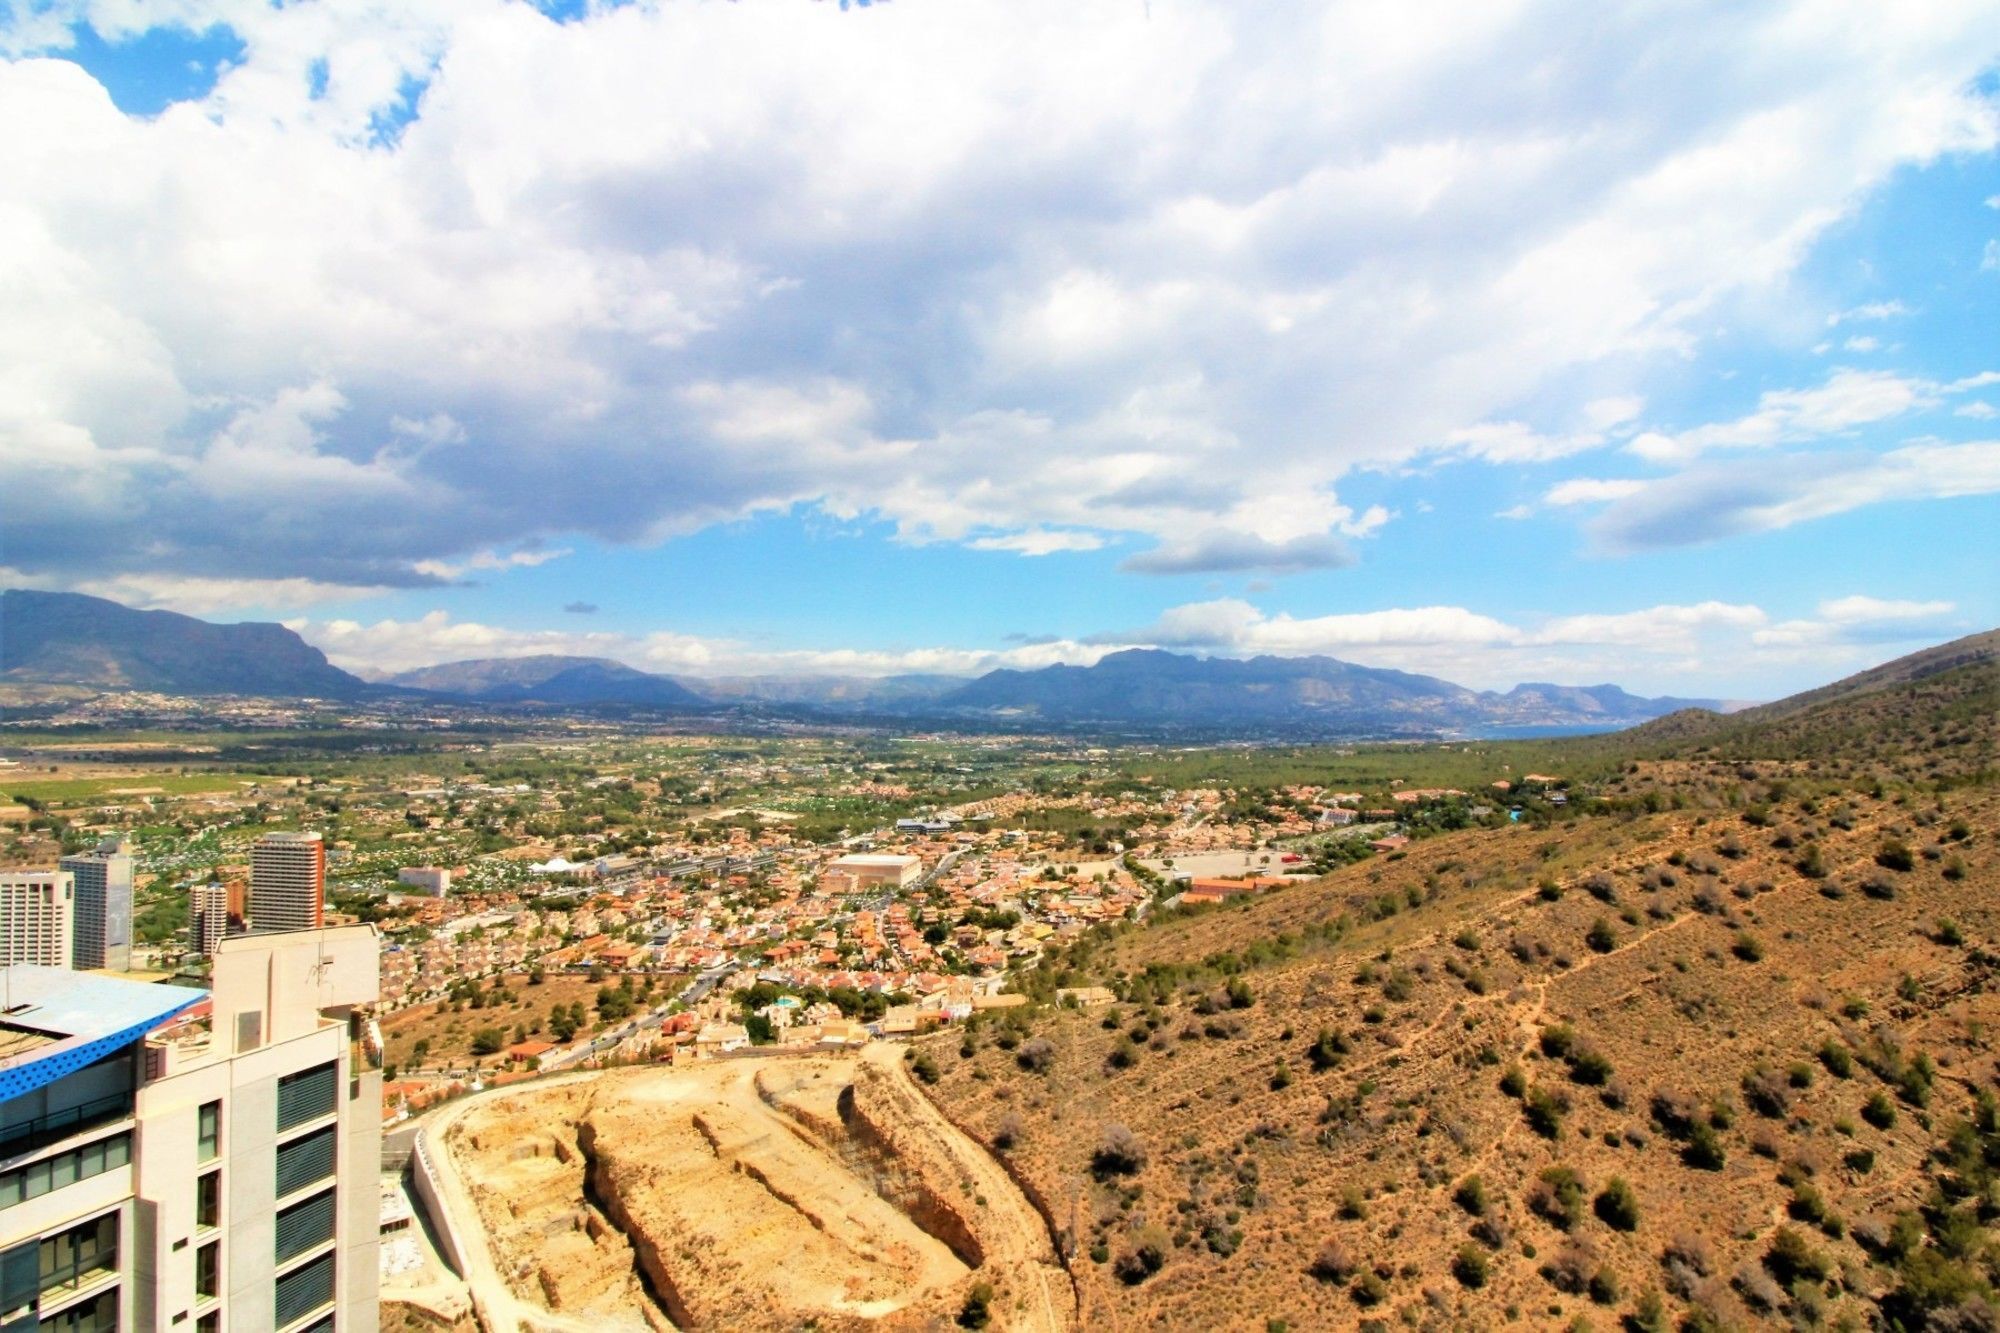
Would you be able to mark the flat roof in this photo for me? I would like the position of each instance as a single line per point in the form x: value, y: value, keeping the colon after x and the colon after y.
x: 54, y: 1021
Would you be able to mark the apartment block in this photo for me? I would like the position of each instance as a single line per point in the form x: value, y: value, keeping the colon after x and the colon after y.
x: 37, y: 918
x: 288, y: 881
x: 102, y: 936
x: 208, y: 917
x: 179, y: 1161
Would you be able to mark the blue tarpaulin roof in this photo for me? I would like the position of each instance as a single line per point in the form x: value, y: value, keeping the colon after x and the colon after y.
x: 84, y: 1018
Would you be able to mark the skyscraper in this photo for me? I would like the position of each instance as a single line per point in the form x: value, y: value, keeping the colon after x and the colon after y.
x: 174, y: 1167
x: 103, y: 932
x: 208, y: 917
x: 37, y: 917
x: 288, y: 882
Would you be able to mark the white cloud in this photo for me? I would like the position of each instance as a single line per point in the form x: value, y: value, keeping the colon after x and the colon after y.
x: 1691, y: 649
x: 487, y: 560
x: 1776, y: 491
x: 1849, y: 399
x: 1864, y: 343
x: 1978, y: 410
x: 1860, y: 609
x: 1038, y: 541
x: 1591, y: 490
x: 1516, y: 512
x: 399, y: 645
x: 986, y: 270
x: 193, y: 596
x: 1989, y: 258
x: 1874, y: 310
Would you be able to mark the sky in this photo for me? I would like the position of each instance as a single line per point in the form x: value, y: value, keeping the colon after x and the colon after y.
x: 1501, y: 341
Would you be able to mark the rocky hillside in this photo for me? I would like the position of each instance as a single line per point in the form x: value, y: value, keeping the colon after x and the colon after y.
x: 68, y: 638
x: 551, y: 679
x: 1710, y: 1050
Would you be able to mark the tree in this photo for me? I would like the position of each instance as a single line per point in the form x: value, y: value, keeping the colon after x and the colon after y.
x: 489, y: 1041
x: 760, y: 1030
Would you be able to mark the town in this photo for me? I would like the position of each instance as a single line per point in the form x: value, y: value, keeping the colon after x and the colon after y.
x: 546, y: 902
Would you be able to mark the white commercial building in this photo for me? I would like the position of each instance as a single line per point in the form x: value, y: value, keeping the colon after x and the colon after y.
x: 103, y: 931
x: 434, y: 880
x: 172, y: 1160
x: 37, y: 920
x: 287, y: 881
x: 862, y: 871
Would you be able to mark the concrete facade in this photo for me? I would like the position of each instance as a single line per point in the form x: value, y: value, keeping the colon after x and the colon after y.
x: 37, y: 917
x: 103, y: 931
x: 288, y: 882
x: 242, y: 1194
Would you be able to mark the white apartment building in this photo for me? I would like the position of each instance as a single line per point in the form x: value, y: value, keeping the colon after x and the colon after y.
x: 37, y: 920
x: 434, y: 880
x: 208, y: 917
x: 287, y: 881
x: 102, y: 936
x: 174, y: 1161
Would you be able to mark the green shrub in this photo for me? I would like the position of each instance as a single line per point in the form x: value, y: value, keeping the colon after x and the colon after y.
x: 1617, y: 1206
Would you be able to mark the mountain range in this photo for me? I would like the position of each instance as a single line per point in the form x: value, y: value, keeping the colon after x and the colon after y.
x: 69, y: 638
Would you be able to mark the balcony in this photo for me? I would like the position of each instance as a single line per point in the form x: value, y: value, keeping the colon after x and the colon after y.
x: 29, y: 1136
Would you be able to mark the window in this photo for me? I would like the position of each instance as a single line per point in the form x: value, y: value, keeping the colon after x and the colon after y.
x: 208, y: 1131
x: 305, y: 1161
x: 99, y: 1314
x: 208, y: 1200
x: 303, y: 1290
x: 73, y: 1259
x: 20, y: 1281
x: 306, y: 1095
x: 305, y: 1225
x: 208, y: 1270
x: 38, y: 1178
x: 209, y: 1323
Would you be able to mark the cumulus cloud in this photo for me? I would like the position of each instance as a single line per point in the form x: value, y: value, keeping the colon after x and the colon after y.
x: 392, y: 645
x: 1038, y: 541
x: 417, y: 282
x: 488, y: 560
x: 1859, y: 621
x: 1849, y: 399
x: 1681, y: 648
x: 1231, y: 552
x: 1764, y: 494
x: 1873, y: 310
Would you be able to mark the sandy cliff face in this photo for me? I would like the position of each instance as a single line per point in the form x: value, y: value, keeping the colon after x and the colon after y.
x: 750, y: 1194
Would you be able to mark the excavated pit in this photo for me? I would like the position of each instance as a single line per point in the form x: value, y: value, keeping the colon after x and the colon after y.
x: 744, y: 1194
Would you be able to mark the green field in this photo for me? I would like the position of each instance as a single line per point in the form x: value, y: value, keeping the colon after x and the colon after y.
x: 74, y: 789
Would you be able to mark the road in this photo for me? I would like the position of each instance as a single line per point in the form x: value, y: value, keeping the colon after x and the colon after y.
x: 499, y: 1309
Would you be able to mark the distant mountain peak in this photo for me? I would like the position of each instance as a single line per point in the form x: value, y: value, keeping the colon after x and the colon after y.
x: 71, y: 638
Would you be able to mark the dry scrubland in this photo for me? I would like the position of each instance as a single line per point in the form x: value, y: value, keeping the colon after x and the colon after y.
x: 512, y: 1005
x: 770, y: 1193
x: 1688, y: 1066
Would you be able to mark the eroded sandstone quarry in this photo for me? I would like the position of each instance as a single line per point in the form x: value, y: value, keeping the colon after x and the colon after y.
x: 750, y: 1194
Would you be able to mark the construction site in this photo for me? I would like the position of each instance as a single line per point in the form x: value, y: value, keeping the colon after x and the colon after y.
x: 741, y: 1193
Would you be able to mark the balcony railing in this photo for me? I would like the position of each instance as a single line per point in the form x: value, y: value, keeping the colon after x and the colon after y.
x: 26, y: 1136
